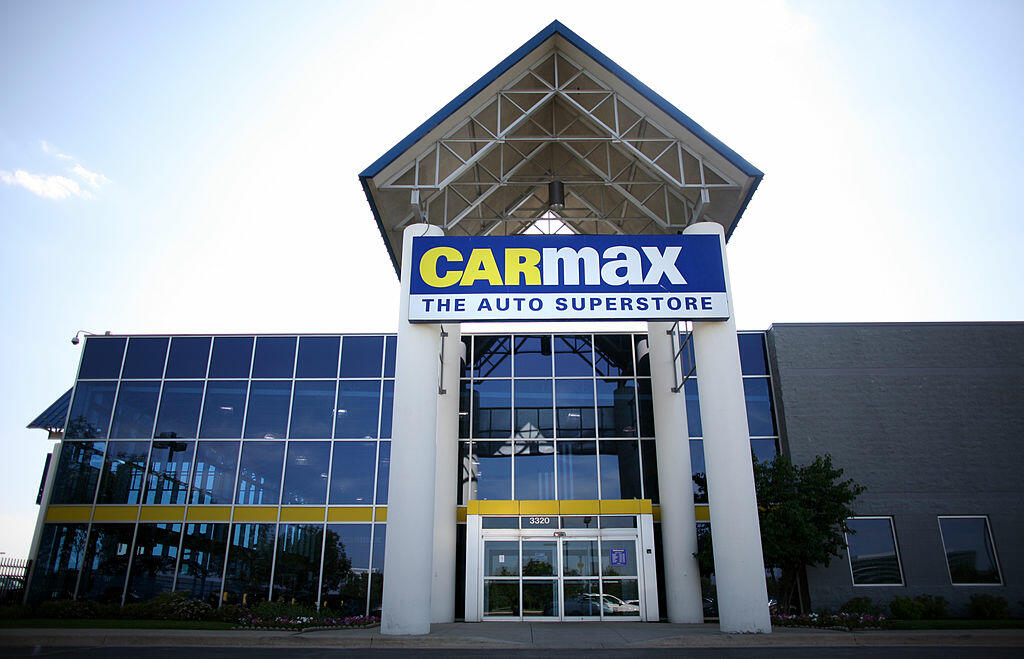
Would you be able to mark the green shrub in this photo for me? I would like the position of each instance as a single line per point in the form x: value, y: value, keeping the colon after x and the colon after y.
x: 933, y: 607
x: 988, y: 607
x: 15, y: 611
x: 230, y: 613
x: 906, y: 608
x: 282, y: 610
x: 861, y: 606
x: 60, y: 609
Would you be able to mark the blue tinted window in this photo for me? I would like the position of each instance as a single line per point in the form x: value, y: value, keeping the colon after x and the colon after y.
x: 383, y: 472
x: 574, y: 355
x: 700, y: 477
x: 362, y: 356
x: 136, y: 410
x: 57, y: 562
x: 318, y: 357
x: 763, y: 449
x: 78, y: 472
x: 646, y: 407
x: 124, y: 469
x: 492, y: 408
x: 231, y: 357
x: 465, y: 404
x: 493, y: 475
x: 312, y: 409
x: 387, y: 408
x: 145, y: 358
x: 620, y: 470
x: 90, y: 413
x: 614, y: 354
x: 970, y: 550
x: 346, y: 559
x: 274, y: 357
x: 179, y: 410
x: 534, y: 417
x: 297, y: 570
x: 188, y: 357
x: 641, y: 344
x: 214, y: 477
x: 250, y: 559
x: 465, y: 351
x: 753, y: 360
x: 693, y: 422
x: 170, y: 465
x: 535, y: 470
x: 377, y: 568
x: 492, y: 356
x: 759, y: 407
x: 532, y: 356
x: 102, y: 357
x: 223, y: 409
x: 155, y: 559
x: 574, y: 403
x: 358, y: 408
x: 577, y: 470
x: 616, y: 408
x: 390, y: 346
x: 106, y: 563
x: 202, y: 560
x: 259, y: 473
x: 873, y: 552
x: 267, y: 417
x: 649, y: 457
x: 352, y: 473
x: 305, y: 474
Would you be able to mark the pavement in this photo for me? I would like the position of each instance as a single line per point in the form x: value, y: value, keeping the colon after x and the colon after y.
x: 513, y: 636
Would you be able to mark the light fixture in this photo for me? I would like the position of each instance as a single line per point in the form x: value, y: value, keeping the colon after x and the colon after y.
x: 556, y: 195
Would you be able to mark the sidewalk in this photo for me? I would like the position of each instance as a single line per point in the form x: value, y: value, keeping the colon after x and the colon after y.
x: 513, y: 635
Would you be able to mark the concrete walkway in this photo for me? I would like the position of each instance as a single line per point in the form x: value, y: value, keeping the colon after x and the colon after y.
x: 512, y: 636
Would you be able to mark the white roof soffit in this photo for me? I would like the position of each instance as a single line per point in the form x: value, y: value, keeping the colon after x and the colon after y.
x: 557, y: 109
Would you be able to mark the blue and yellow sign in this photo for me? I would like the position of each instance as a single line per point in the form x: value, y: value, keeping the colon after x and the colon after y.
x: 568, y: 277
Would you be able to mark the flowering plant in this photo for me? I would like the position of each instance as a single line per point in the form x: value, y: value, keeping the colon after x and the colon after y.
x: 299, y: 623
x: 848, y: 621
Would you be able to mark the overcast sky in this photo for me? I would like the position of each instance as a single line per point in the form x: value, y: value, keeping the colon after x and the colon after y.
x: 191, y: 167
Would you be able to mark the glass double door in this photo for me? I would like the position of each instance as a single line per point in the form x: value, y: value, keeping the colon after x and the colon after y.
x: 561, y: 578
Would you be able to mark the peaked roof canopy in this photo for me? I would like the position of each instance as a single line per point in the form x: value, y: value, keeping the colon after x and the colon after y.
x: 557, y: 109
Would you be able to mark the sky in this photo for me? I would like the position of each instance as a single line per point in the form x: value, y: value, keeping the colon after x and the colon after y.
x: 192, y: 166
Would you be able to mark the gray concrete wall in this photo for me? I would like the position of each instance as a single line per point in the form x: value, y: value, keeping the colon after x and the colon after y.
x: 930, y: 418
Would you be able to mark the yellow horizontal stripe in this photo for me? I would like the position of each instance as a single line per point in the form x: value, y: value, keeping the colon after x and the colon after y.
x: 208, y: 514
x: 255, y: 513
x: 162, y: 514
x: 68, y: 513
x: 115, y: 514
x: 620, y: 507
x: 302, y: 513
x: 380, y: 514
x: 538, y: 507
x: 499, y: 507
x: 580, y: 507
x: 350, y: 514
x: 645, y: 507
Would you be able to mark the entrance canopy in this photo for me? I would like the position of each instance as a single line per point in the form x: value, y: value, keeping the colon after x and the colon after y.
x: 557, y: 110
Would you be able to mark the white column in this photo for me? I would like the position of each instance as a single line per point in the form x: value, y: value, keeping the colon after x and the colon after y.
x: 408, y: 554
x: 442, y: 598
x: 675, y: 485
x: 735, y: 530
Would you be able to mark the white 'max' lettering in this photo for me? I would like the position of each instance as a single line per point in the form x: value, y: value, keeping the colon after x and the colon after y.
x: 630, y: 262
x: 570, y: 260
x: 663, y: 265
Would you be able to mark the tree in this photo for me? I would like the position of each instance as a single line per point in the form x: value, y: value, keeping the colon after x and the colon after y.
x: 803, y: 512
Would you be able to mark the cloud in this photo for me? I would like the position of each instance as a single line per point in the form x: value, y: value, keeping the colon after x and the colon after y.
x: 50, y: 186
x: 94, y: 179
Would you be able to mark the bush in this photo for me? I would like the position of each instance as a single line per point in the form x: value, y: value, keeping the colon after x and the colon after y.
x: 862, y: 606
x: 988, y: 607
x: 169, y: 606
x: 906, y: 608
x: 15, y: 611
x: 72, y: 609
x: 230, y: 613
x: 933, y: 607
x: 283, y: 610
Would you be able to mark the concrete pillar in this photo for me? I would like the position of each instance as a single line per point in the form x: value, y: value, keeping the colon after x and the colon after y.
x: 736, y: 532
x: 675, y: 487
x: 442, y: 598
x: 408, y: 554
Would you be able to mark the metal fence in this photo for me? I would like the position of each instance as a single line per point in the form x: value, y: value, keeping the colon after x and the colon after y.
x: 13, y: 574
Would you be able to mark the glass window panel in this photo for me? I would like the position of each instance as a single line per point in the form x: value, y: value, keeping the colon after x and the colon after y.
x: 145, y: 358
x: 579, y: 557
x: 179, y: 410
x: 540, y: 558
x: 532, y: 356
x: 78, y: 472
x: 580, y: 522
x: 872, y: 548
x: 465, y: 476
x: 534, y: 416
x: 274, y: 357
x: 346, y: 568
x: 352, y: 473
x: 492, y: 356
x: 970, y: 550
x: 466, y: 350
x: 492, y: 462
x: 577, y: 470
x: 267, y: 417
x: 377, y: 568
x: 124, y: 469
x: 613, y: 354
x: 535, y: 470
x: 621, y: 598
x: 501, y: 558
x: 297, y: 570
x: 101, y: 357
x: 501, y: 598
x: 582, y: 597
x: 618, y: 521
x: 574, y: 356
x: 753, y: 358
x: 383, y: 472
x: 390, y: 348
x: 90, y: 412
x: 106, y: 563
x: 188, y: 357
x: 620, y: 470
x: 387, y: 403
x: 57, y: 562
x: 618, y: 558
x: 170, y: 465
x: 155, y: 561
x: 693, y: 423
x: 759, y: 407
x: 492, y: 408
x: 540, y: 598
x: 539, y: 521
x: 646, y: 407
x: 231, y: 357
x: 135, y: 411
x: 649, y: 460
x: 213, y: 480
x: 499, y: 523
x: 202, y: 561
x: 641, y: 344
x: 259, y: 473
x: 763, y: 449
x: 318, y: 357
x: 700, y: 476
x: 312, y: 409
x: 358, y: 409
x: 465, y: 403
x: 362, y: 356
x: 249, y: 563
x: 305, y: 473
x: 616, y: 408
x: 224, y: 409
x: 574, y: 406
